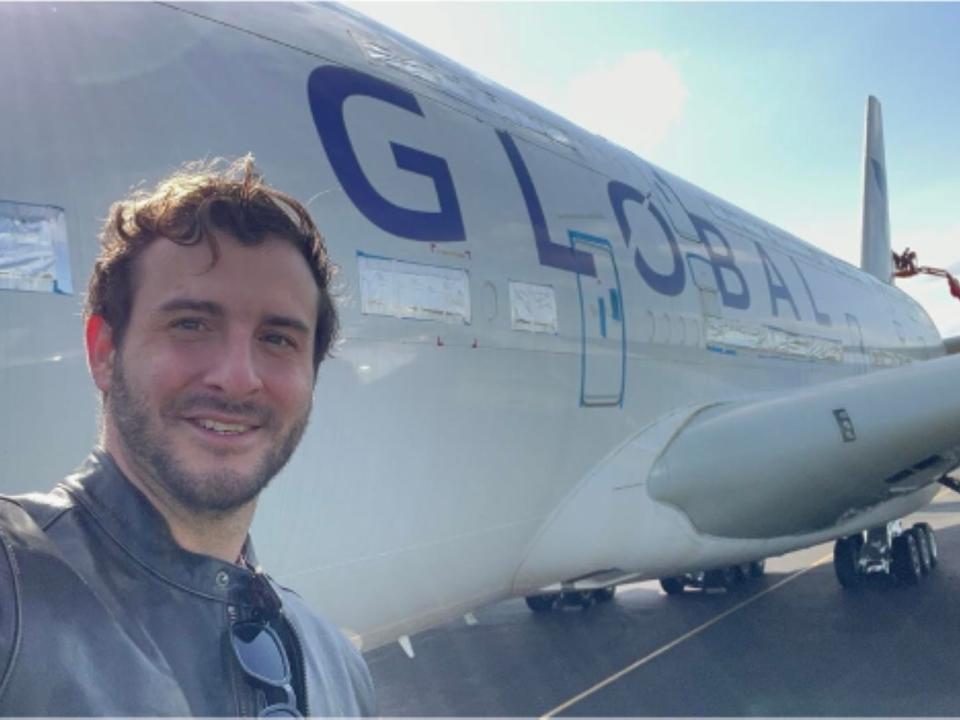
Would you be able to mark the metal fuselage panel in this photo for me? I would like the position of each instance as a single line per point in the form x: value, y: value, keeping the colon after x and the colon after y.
x: 439, y: 448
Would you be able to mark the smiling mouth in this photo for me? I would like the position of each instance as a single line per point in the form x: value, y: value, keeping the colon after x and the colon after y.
x: 222, y: 428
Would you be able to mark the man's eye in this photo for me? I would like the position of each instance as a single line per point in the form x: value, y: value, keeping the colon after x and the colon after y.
x: 279, y: 340
x: 191, y: 324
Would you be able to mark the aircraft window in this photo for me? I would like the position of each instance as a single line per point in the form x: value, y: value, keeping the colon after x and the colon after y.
x: 533, y: 308
x: 411, y: 290
x: 34, y: 253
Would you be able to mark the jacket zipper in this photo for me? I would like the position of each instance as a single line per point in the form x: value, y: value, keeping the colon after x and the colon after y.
x: 246, y: 697
x: 302, y: 664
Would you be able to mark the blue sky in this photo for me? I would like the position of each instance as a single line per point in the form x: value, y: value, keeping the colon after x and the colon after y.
x: 759, y: 103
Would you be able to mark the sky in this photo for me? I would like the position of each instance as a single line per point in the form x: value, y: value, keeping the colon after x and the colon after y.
x: 761, y: 104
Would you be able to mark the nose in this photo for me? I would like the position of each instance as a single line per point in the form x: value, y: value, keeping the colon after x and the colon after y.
x: 233, y: 370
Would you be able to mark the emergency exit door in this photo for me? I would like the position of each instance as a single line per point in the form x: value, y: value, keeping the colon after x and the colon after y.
x: 603, y: 337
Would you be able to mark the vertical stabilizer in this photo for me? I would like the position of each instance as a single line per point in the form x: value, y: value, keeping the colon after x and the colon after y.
x: 875, y: 243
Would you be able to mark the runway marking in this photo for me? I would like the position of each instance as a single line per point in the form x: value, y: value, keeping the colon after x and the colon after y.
x: 683, y: 638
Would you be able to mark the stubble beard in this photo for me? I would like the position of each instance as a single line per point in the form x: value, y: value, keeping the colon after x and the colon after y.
x: 153, y: 455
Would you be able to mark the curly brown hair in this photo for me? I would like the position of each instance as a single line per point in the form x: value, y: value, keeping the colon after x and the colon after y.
x: 187, y: 208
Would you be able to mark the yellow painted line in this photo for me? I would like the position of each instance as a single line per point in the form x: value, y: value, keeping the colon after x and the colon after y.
x: 683, y: 638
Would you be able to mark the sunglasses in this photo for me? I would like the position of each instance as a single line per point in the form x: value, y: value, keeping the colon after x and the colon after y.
x: 260, y: 652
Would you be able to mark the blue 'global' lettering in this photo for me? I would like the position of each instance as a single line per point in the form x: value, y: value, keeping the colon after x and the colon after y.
x: 822, y: 318
x: 722, y: 261
x: 548, y: 252
x: 779, y: 289
x: 671, y: 283
x: 328, y: 88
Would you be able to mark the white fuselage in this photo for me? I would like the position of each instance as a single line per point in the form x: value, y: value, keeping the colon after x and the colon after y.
x: 461, y: 410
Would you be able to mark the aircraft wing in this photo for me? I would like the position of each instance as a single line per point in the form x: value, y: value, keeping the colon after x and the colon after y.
x: 802, y: 461
x: 726, y: 481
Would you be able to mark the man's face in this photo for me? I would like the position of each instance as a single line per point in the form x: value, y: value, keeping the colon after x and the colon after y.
x: 212, y: 387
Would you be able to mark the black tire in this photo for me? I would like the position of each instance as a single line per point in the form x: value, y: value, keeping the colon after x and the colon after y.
x: 604, y: 595
x: 712, y: 579
x: 758, y: 568
x: 542, y: 603
x: 733, y: 577
x: 846, y: 562
x: 725, y: 577
x: 579, y: 598
x: 923, y: 548
x: 931, y: 542
x: 672, y: 585
x: 906, y: 559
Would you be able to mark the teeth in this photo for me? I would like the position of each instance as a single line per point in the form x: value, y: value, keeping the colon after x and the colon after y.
x: 223, y: 428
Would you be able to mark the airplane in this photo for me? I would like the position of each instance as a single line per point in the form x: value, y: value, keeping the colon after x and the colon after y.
x: 562, y: 368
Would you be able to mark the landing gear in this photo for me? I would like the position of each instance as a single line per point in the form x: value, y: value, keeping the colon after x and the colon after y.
x: 926, y: 562
x: 672, y: 585
x: 846, y: 561
x: 889, y: 550
x: 604, y: 594
x: 728, y: 578
x: 546, y: 602
x: 927, y: 531
x: 906, y: 559
x: 543, y: 603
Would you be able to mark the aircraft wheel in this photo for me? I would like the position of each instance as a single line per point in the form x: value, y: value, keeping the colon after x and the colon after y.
x: 726, y: 577
x: 906, y: 559
x: 542, y: 603
x: 672, y: 585
x: 846, y: 561
x: 758, y: 568
x: 733, y: 576
x: 583, y: 598
x: 927, y: 530
x: 926, y: 564
x: 604, y: 595
x: 712, y: 579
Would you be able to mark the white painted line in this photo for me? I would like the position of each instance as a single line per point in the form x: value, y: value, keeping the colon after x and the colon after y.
x: 683, y: 638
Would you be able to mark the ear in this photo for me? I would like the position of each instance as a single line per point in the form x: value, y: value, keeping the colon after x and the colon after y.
x: 100, y: 351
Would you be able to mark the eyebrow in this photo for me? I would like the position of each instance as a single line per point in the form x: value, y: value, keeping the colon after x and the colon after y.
x: 204, y: 306
x: 217, y: 310
x: 281, y: 321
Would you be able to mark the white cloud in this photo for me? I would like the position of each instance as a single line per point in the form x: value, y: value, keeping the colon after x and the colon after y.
x: 634, y: 100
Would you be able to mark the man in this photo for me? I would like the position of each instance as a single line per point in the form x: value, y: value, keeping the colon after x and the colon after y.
x: 132, y: 588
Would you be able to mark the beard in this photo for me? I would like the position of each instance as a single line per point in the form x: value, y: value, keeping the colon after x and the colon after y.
x: 150, y: 449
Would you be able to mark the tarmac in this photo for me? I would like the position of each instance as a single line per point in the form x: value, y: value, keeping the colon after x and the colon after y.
x: 792, y: 643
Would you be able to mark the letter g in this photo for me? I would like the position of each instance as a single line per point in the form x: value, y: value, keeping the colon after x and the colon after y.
x: 328, y: 88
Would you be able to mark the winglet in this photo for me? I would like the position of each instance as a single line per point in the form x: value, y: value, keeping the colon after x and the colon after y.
x: 875, y: 244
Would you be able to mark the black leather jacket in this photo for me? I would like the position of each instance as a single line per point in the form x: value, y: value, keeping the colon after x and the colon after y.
x: 102, y: 613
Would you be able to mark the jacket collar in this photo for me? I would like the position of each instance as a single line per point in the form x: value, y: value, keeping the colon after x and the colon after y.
x: 133, y: 523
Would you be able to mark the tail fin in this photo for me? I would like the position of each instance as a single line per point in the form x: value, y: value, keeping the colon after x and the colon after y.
x: 875, y: 244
